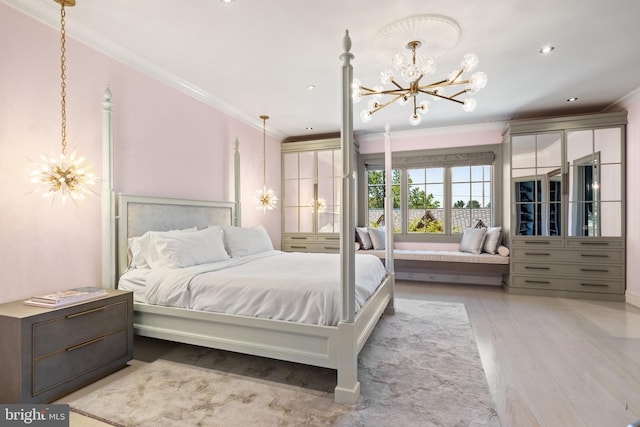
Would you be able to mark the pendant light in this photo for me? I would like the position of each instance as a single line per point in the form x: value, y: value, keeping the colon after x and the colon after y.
x: 68, y: 177
x: 265, y: 199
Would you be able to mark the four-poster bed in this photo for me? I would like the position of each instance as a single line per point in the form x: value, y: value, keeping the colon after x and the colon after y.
x: 331, y: 346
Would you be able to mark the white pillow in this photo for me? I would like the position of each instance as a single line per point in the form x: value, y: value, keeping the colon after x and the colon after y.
x: 142, y: 249
x: 243, y: 241
x: 472, y: 240
x: 181, y: 250
x: 377, y: 237
x: 363, y: 238
x: 492, y: 240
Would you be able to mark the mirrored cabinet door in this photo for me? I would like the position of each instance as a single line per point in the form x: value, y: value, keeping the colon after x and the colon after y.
x: 536, y: 162
x: 594, y: 162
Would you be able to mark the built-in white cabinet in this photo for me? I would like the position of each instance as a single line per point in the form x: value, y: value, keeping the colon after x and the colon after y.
x: 566, y: 199
x: 311, y: 183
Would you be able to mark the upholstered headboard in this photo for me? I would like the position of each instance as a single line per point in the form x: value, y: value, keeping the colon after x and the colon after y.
x: 138, y: 214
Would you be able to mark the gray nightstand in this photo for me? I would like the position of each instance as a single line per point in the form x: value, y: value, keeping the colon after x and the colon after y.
x: 46, y: 353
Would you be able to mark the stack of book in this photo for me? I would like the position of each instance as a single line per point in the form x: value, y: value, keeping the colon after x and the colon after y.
x: 66, y: 297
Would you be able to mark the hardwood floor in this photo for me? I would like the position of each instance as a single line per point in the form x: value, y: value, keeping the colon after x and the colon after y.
x: 549, y: 361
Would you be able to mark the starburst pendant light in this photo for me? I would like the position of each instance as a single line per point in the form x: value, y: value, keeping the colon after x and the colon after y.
x: 415, y: 67
x: 265, y: 199
x: 69, y: 176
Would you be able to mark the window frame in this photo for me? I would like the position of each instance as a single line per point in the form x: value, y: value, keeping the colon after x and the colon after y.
x: 445, y: 157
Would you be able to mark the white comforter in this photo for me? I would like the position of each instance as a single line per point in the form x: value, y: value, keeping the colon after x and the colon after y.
x: 300, y: 287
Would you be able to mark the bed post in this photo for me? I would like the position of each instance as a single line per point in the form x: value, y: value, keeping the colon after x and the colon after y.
x: 236, y: 182
x: 348, y: 388
x: 388, y: 214
x: 108, y: 202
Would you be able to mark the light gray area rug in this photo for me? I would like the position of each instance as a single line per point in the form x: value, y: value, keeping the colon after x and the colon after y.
x: 420, y: 367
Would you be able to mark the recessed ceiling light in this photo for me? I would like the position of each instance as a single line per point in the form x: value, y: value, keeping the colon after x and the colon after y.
x: 311, y: 87
x: 547, y: 49
x: 227, y: 1
x: 309, y: 128
x: 574, y: 99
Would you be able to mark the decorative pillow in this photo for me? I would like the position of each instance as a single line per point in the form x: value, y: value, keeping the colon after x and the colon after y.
x: 142, y: 249
x: 181, y: 250
x: 472, y: 240
x: 503, y: 250
x: 241, y: 241
x: 492, y: 240
x: 363, y: 237
x: 377, y: 237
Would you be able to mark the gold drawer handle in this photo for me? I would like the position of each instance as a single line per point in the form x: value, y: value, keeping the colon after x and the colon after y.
x: 595, y: 243
x: 331, y: 248
x: 594, y: 255
x: 538, y: 281
x: 69, y: 316
x: 528, y: 242
x: 537, y: 253
x: 332, y: 238
x: 298, y: 238
x: 599, y: 285
x: 536, y: 268
x: 298, y: 247
x: 594, y: 270
x: 83, y: 344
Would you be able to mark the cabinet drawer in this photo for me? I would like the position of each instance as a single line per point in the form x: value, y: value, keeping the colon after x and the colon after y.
x: 580, y: 270
x: 563, y: 255
x: 72, y: 362
x: 569, y: 284
x: 72, y: 329
x: 599, y: 243
x: 317, y: 247
x: 536, y: 242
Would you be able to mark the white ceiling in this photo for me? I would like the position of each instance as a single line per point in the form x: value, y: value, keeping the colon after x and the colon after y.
x: 255, y: 57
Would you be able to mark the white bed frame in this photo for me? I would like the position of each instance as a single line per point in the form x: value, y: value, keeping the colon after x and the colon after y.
x: 335, y: 347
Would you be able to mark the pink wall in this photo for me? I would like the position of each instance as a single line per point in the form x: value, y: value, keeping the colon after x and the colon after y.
x: 165, y: 144
x: 461, y: 136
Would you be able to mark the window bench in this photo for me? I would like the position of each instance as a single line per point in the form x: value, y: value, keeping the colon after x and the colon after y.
x: 447, y: 266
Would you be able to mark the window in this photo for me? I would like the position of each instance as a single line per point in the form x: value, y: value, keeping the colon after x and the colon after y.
x: 426, y: 200
x: 376, y: 186
x: 433, y: 194
x: 470, y: 197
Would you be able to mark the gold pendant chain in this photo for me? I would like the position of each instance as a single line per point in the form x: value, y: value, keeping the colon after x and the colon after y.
x: 63, y: 84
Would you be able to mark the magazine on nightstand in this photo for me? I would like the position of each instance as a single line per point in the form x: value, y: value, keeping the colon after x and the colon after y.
x: 66, y: 297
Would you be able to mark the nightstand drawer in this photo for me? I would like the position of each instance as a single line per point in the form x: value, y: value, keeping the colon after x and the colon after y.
x: 72, y: 329
x: 72, y: 362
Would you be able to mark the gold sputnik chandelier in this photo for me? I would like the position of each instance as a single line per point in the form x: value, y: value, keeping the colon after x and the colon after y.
x: 66, y: 176
x: 265, y: 199
x: 414, y: 68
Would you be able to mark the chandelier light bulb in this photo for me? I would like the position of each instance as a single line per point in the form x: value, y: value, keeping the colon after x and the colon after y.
x: 366, y: 115
x: 428, y: 68
x: 469, y: 105
x: 386, y: 77
x: 478, y: 82
x: 469, y: 62
x: 415, y: 119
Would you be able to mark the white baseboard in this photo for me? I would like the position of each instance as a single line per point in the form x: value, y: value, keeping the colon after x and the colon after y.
x: 633, y: 298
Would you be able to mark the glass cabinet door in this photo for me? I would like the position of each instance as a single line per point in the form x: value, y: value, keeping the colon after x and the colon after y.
x: 299, y: 175
x: 312, y: 191
x: 594, y: 160
x: 536, y: 174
